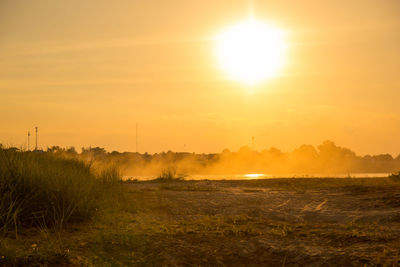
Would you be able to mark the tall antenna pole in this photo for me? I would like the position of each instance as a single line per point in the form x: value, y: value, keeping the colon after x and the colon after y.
x: 29, y: 137
x: 36, y: 130
x: 136, y: 137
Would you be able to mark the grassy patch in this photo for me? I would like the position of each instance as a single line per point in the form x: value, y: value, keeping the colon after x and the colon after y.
x: 169, y: 175
x: 43, y: 190
x: 220, y: 223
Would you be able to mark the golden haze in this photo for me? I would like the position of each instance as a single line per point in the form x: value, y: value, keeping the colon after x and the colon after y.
x: 85, y: 72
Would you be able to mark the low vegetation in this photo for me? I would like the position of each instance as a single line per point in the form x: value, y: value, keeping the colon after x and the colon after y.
x: 44, y: 190
x: 327, y: 158
x: 68, y: 213
x: 395, y: 176
x: 169, y: 175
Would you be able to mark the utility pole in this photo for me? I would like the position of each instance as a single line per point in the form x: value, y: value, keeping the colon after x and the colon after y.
x: 29, y: 137
x: 136, y: 137
x: 36, y: 130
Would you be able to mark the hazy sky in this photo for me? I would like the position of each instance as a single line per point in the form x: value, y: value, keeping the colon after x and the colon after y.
x: 85, y: 72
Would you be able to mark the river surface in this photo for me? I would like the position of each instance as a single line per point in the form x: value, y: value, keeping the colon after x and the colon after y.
x: 251, y: 176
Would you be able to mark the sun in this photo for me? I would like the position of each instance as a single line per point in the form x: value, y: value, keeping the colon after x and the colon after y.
x: 251, y: 51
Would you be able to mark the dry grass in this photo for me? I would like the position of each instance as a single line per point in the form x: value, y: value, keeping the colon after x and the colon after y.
x: 291, y: 222
x: 42, y: 190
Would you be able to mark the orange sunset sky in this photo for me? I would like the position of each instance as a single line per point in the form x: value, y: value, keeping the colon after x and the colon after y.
x: 85, y: 72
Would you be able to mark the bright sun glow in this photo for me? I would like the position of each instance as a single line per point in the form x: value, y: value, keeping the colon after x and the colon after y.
x: 251, y: 51
x: 253, y: 175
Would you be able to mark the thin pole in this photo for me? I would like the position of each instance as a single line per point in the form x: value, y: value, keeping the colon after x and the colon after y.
x: 36, y: 146
x: 29, y: 137
x: 136, y: 137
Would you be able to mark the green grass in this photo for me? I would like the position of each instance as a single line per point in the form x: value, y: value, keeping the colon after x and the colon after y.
x: 43, y: 190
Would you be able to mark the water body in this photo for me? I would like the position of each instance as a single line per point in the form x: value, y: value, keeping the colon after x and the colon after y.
x: 251, y: 176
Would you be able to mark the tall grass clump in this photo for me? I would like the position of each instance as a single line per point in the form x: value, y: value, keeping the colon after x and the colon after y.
x: 169, y: 175
x: 41, y: 189
x: 110, y: 176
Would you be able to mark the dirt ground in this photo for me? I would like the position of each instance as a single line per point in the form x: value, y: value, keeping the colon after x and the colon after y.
x: 273, y: 223
x: 276, y: 222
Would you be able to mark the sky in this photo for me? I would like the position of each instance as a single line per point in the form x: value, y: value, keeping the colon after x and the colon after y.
x: 85, y: 72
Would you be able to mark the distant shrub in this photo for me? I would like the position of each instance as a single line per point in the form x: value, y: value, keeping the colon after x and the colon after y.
x: 42, y: 189
x: 169, y: 175
x: 131, y: 180
x: 395, y: 176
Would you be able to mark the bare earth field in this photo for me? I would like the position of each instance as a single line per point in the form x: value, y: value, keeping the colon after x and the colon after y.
x: 277, y: 222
